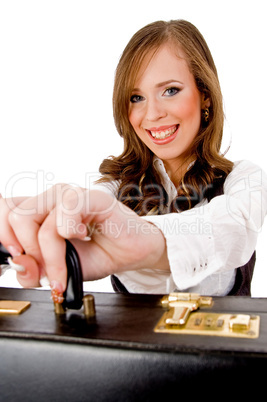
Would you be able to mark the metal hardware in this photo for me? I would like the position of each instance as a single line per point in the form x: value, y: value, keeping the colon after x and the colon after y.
x: 59, y: 309
x: 239, y: 322
x: 177, y: 315
x: 13, y: 306
x: 88, y: 307
x: 182, y: 317
x: 194, y: 300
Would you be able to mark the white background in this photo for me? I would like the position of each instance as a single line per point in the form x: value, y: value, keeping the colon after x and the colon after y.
x: 57, y: 64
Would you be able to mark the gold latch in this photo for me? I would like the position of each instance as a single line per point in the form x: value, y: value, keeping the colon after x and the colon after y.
x: 183, y: 317
x: 180, y: 305
x: 13, y: 306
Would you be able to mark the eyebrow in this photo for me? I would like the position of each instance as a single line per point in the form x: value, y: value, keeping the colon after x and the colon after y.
x: 161, y: 84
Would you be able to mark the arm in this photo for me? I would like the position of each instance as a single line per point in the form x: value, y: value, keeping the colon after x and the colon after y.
x: 120, y: 239
x: 212, y: 238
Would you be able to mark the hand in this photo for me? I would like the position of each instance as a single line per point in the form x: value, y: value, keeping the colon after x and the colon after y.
x: 20, y: 221
x: 120, y: 239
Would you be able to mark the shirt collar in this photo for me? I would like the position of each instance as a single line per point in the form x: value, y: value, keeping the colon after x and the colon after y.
x: 165, y: 180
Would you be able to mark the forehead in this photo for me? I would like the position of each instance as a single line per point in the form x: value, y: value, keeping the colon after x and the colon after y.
x: 168, y: 62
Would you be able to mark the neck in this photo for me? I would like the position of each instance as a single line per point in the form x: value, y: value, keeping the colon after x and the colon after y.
x: 176, y: 169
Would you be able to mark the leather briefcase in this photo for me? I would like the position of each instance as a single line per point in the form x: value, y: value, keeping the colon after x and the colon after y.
x: 131, y: 347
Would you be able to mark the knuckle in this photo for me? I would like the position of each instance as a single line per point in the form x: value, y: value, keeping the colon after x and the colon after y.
x: 61, y: 188
x: 72, y: 201
x: 66, y: 196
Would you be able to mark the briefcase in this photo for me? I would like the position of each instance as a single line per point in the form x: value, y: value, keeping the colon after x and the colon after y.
x: 131, y: 347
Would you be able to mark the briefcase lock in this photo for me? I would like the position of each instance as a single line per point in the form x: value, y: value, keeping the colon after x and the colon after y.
x: 180, y: 305
x: 184, y: 316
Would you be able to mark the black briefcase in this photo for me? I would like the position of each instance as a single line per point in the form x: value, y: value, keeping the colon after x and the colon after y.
x: 131, y: 348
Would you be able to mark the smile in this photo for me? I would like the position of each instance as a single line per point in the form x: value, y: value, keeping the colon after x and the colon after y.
x: 163, y: 134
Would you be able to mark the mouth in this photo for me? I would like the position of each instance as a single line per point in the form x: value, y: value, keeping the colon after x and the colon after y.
x: 161, y: 134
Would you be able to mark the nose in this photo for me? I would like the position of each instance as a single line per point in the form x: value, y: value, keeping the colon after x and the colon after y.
x: 155, y: 110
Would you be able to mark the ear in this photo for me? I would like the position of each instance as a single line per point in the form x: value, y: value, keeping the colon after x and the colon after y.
x: 205, y: 101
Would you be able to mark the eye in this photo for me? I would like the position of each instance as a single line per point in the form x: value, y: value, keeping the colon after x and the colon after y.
x: 171, y: 91
x: 136, y: 98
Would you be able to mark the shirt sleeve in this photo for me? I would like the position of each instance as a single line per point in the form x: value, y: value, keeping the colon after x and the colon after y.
x: 216, y: 237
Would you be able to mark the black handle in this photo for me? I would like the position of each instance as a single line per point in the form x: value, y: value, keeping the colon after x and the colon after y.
x: 73, y: 296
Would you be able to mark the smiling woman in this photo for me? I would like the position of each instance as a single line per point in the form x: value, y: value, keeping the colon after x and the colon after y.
x: 168, y: 108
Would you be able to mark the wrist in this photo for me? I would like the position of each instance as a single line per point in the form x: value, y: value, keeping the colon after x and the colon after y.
x: 157, y: 257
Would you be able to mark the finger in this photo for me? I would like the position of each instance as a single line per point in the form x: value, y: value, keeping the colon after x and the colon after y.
x: 52, y: 244
x: 7, y: 235
x: 30, y: 276
x: 26, y: 229
x: 68, y: 221
x: 53, y: 249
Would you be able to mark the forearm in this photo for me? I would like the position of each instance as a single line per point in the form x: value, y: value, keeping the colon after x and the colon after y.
x: 145, y: 249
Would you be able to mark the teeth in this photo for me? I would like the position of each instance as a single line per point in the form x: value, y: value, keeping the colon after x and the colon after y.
x: 160, y: 135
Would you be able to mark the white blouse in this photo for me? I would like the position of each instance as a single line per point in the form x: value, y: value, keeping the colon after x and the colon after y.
x: 207, y: 243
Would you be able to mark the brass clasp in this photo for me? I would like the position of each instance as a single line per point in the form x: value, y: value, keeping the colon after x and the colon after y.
x: 183, y: 317
x: 180, y: 305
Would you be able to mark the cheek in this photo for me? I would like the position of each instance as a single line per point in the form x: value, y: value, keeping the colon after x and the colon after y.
x: 135, y: 120
x: 132, y: 116
x: 190, y: 109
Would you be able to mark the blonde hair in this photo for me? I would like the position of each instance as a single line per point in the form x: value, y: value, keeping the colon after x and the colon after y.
x: 134, y: 166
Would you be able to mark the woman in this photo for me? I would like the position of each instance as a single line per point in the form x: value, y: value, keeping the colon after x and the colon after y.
x: 171, y: 212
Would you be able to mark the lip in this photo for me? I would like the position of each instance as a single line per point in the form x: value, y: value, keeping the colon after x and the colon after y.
x: 162, y: 128
x: 164, y: 140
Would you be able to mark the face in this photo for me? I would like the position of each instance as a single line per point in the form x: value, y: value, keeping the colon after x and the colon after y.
x: 165, y: 107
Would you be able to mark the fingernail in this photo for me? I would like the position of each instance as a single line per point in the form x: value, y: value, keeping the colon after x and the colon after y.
x: 87, y: 238
x: 44, y: 281
x: 14, y: 251
x: 17, y: 267
x: 57, y: 292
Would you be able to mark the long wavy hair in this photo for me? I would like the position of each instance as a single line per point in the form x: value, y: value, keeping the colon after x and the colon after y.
x: 139, y: 183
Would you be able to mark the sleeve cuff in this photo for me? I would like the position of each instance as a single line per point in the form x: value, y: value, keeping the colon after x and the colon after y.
x: 190, y: 246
